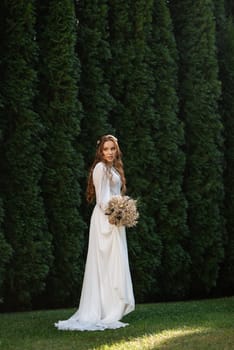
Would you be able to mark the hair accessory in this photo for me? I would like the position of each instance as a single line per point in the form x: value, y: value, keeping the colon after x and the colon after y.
x: 105, y: 137
x: 113, y: 137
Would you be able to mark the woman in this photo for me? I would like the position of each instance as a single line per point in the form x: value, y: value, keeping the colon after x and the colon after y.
x: 107, y: 293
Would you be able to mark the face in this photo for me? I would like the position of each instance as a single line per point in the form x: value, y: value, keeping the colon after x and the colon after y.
x: 109, y: 151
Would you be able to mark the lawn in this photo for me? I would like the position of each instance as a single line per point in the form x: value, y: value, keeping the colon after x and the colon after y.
x: 205, y: 324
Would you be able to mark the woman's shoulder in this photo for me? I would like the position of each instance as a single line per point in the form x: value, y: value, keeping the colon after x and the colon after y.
x: 99, y: 171
x: 99, y: 165
x: 99, y: 168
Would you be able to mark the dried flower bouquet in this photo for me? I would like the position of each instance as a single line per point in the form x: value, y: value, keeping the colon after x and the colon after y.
x: 122, y: 211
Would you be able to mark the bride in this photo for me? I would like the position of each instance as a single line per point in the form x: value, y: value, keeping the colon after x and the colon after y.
x: 107, y: 293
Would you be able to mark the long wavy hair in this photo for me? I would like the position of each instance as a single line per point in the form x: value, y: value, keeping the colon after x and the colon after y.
x: 117, y: 164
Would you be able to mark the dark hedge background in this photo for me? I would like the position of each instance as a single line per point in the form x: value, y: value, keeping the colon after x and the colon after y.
x: 160, y: 76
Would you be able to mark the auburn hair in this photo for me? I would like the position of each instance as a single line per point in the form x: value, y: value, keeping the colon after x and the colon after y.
x: 117, y: 164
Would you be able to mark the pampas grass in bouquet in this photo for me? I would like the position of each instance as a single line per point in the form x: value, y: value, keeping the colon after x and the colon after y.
x: 122, y: 211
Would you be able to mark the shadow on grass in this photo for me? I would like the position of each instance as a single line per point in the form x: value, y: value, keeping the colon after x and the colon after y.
x: 186, y: 325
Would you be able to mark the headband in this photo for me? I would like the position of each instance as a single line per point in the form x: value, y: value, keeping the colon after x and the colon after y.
x: 106, y: 136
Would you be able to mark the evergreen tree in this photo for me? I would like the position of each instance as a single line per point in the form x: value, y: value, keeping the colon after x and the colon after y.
x: 170, y: 208
x: 226, y: 48
x: 24, y: 220
x: 5, y: 249
x: 199, y: 94
x: 94, y: 54
x: 5, y: 253
x: 60, y: 112
x: 133, y: 119
x: 229, y: 6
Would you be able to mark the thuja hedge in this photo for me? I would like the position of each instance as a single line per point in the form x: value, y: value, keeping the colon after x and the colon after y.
x: 149, y: 72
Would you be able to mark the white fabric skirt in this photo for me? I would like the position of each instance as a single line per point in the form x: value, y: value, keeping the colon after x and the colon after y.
x: 107, y: 293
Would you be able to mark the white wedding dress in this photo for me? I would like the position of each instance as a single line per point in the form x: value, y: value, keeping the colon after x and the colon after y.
x: 107, y: 293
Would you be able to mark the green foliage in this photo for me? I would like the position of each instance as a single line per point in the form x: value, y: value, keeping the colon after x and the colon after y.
x: 72, y: 71
x: 229, y: 6
x: 5, y: 249
x: 133, y: 119
x: 94, y: 54
x: 199, y: 94
x: 5, y: 252
x: 170, y: 206
x: 60, y: 112
x: 24, y: 221
x: 226, y: 280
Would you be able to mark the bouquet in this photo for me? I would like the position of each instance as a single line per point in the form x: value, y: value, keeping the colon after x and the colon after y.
x: 122, y: 211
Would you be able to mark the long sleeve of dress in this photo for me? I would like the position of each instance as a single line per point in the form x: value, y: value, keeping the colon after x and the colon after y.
x: 102, y: 186
x: 107, y: 293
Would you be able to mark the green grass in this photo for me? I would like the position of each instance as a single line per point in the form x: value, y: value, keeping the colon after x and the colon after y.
x: 206, y: 324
